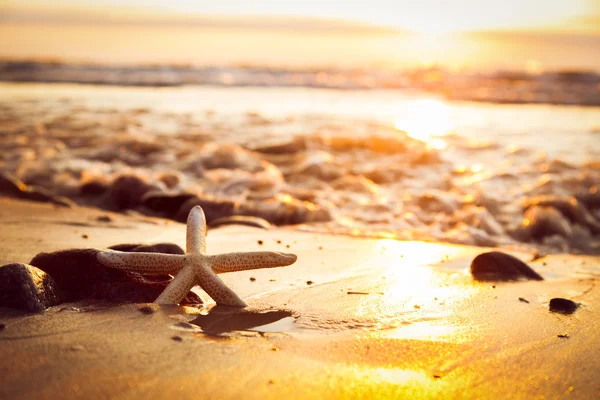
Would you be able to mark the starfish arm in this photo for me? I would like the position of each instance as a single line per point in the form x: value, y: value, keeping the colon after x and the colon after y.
x: 154, y: 263
x: 196, y: 231
x: 217, y: 290
x: 179, y: 286
x: 232, y: 262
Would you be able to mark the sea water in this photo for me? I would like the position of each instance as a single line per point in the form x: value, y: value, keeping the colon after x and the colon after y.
x: 386, y: 163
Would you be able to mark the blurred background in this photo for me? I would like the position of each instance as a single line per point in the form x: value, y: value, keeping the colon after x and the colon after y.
x: 465, y: 121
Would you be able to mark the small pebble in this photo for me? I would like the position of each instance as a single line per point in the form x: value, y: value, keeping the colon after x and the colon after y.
x: 84, y: 236
x: 437, y: 376
x: 104, y: 218
x: 260, y: 242
x: 309, y: 282
x: 563, y: 336
x: 523, y: 300
x: 274, y: 349
x: 77, y: 347
x: 279, y: 242
x: 2, y: 326
x: 563, y: 306
x: 271, y: 381
x: 320, y: 247
x: 177, y: 338
x: 417, y: 307
x: 272, y: 280
x: 146, y: 310
x: 252, y: 279
x: 287, y: 246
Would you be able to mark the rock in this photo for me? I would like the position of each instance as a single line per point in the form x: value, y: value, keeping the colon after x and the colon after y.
x: 572, y: 209
x: 127, y: 191
x: 165, y: 202
x: 43, y: 195
x: 563, y: 306
x: 540, y: 221
x: 11, y: 185
x: 14, y: 187
x: 497, y: 266
x: 94, y: 188
x: 213, y: 208
x: 27, y: 288
x: 241, y: 220
x: 169, y: 248
x: 289, y: 212
x: 79, y: 275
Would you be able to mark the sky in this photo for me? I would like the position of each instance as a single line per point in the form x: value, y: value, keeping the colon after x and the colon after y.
x: 458, y: 33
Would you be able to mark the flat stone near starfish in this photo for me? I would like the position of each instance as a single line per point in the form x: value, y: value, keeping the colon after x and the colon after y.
x: 196, y: 267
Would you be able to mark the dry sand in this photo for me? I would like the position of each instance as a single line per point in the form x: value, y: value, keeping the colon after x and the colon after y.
x: 380, y: 319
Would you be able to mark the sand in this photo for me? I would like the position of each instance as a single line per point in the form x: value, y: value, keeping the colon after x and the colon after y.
x: 353, y: 318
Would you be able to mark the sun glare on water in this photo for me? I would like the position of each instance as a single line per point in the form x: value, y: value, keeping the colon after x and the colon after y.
x: 426, y: 120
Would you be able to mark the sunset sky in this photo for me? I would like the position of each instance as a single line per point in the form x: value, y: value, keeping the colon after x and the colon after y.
x: 457, y: 33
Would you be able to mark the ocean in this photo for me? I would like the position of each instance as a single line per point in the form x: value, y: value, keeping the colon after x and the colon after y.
x: 399, y: 163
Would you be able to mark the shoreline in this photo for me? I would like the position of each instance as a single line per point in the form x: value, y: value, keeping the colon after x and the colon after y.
x: 380, y: 318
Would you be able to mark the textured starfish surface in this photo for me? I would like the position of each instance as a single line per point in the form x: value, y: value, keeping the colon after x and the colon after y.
x: 196, y: 267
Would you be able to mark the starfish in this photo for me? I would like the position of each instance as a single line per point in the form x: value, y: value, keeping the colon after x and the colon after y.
x: 195, y: 267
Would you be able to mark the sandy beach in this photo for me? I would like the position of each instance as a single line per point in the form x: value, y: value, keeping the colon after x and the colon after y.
x: 352, y: 318
x: 299, y: 199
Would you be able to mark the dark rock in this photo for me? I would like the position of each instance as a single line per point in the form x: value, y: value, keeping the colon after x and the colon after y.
x: 79, y: 275
x: 14, y: 187
x: 540, y: 221
x: 213, y: 208
x: 127, y: 191
x: 46, y: 196
x: 241, y: 220
x: 104, y: 218
x: 27, y: 288
x: 94, y: 188
x: 570, y: 207
x: 177, y: 338
x: 165, y: 202
x: 497, y: 266
x: 169, y: 248
x: 2, y: 326
x: 563, y: 306
x: 146, y: 310
x: 11, y: 185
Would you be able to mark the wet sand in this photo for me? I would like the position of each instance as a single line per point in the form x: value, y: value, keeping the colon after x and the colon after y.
x: 352, y: 318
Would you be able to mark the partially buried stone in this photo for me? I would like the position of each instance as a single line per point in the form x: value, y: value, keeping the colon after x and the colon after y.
x: 498, y: 266
x: 165, y: 202
x: 241, y: 220
x: 27, y: 288
x: 563, y: 306
x: 79, y: 275
x: 169, y: 248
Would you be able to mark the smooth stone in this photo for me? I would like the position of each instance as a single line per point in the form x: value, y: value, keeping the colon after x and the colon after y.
x: 27, y: 288
x: 127, y: 191
x: 540, y: 221
x: 11, y: 185
x: 563, y: 306
x: 497, y: 266
x: 79, y: 275
x: 213, y: 208
x: 165, y: 202
x: 169, y: 248
x: 241, y: 220
x: 14, y: 187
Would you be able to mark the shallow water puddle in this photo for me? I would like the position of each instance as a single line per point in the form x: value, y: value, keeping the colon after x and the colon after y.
x: 222, y: 319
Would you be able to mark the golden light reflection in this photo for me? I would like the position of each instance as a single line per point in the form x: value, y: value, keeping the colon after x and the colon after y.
x: 417, y: 296
x: 426, y: 120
